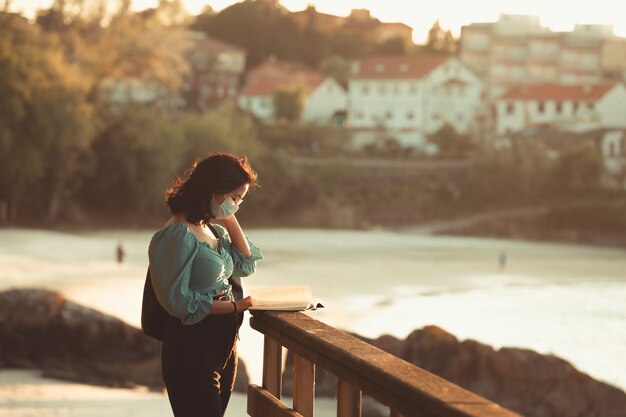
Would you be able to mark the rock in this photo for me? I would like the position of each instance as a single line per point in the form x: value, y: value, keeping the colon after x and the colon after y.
x: 521, y: 380
x: 40, y: 329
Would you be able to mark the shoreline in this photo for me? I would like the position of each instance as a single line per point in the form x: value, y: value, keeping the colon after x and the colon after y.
x: 529, y: 224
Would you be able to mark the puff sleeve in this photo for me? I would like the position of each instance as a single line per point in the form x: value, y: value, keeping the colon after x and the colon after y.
x: 171, y: 254
x: 243, y: 266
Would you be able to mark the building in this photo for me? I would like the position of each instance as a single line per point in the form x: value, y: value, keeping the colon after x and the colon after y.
x: 410, y: 97
x: 215, y: 71
x: 201, y: 72
x: 359, y: 22
x: 310, y: 18
x: 572, y: 107
x: 517, y: 49
x: 324, y: 98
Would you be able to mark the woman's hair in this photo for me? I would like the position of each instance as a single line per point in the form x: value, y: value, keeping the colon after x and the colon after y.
x: 218, y: 173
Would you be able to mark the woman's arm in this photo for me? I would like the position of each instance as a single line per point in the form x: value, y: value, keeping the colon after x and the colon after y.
x: 237, y: 237
x: 227, y: 307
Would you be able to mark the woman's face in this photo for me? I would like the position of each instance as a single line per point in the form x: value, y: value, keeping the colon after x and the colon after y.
x: 236, y: 195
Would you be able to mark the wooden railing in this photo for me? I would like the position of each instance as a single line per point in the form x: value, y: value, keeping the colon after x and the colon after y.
x: 361, y: 368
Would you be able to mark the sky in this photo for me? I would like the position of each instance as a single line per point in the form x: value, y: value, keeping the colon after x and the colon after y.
x: 558, y: 15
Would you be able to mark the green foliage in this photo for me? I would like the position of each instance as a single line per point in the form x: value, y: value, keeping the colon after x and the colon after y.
x: 305, y: 140
x: 578, y: 168
x: 451, y: 143
x: 440, y: 40
x: 263, y: 28
x: 392, y: 46
x: 135, y: 157
x: 336, y: 67
x: 288, y: 104
x: 220, y: 130
x: 45, y: 122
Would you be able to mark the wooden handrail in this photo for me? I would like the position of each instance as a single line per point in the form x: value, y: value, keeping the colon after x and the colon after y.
x: 361, y: 368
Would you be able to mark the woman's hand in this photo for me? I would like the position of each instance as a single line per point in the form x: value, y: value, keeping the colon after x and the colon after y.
x: 244, y: 304
x: 236, y: 234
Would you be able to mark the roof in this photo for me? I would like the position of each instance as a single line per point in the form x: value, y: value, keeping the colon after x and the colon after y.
x: 403, y: 67
x: 275, y: 68
x: 558, y: 92
x: 268, y: 86
x: 266, y: 78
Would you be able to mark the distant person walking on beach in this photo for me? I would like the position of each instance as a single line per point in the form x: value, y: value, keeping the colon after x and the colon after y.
x: 502, y: 261
x: 196, y: 262
x: 120, y: 253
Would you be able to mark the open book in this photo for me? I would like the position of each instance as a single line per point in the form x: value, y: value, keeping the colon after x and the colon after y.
x: 292, y: 297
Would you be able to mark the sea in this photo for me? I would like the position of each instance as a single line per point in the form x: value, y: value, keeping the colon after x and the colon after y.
x: 567, y: 300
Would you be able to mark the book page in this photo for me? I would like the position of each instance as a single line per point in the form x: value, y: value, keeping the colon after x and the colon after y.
x: 291, y: 297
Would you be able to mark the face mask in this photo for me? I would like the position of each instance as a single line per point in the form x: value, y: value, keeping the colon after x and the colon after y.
x: 227, y: 208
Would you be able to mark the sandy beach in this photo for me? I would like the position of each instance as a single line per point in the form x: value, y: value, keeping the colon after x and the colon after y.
x: 568, y: 300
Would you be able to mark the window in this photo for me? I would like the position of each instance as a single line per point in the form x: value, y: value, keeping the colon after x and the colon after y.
x: 388, y: 115
x: 541, y: 107
x: 365, y: 89
x: 575, y: 107
x: 410, y: 115
x: 379, y: 68
x: 413, y: 89
x: 559, y: 107
x: 510, y: 108
x: 382, y: 89
x: 591, y: 106
x: 360, y: 115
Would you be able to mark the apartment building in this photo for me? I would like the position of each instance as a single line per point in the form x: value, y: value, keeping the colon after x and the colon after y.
x: 517, y: 49
x: 413, y: 96
x: 571, y: 107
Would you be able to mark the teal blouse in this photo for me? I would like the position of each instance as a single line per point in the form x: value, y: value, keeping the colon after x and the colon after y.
x: 186, y: 272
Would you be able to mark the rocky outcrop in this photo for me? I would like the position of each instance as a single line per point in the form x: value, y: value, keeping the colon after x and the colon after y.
x: 41, y: 329
x: 521, y: 380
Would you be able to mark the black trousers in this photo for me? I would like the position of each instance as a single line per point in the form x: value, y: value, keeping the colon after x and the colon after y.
x: 199, y: 365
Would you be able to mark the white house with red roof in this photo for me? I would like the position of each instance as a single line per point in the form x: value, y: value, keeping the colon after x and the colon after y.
x: 413, y: 96
x: 323, y: 97
x: 571, y: 107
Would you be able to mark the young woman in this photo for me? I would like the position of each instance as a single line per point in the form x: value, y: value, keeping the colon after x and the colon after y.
x: 196, y: 262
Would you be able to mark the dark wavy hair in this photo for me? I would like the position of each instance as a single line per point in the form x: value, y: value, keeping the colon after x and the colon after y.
x: 218, y: 173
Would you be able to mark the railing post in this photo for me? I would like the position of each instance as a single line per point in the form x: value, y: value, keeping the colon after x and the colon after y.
x: 272, y: 366
x: 303, y: 386
x: 348, y: 400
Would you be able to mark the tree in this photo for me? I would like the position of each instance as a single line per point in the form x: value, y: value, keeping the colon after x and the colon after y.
x: 111, y: 45
x: 288, y: 104
x: 227, y: 130
x: 579, y: 168
x: 45, y: 122
x: 135, y: 156
x: 392, y: 46
x: 336, y: 67
x: 449, y: 142
x: 440, y: 40
x: 263, y: 28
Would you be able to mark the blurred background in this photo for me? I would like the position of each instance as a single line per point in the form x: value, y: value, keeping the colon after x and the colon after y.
x: 441, y: 172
